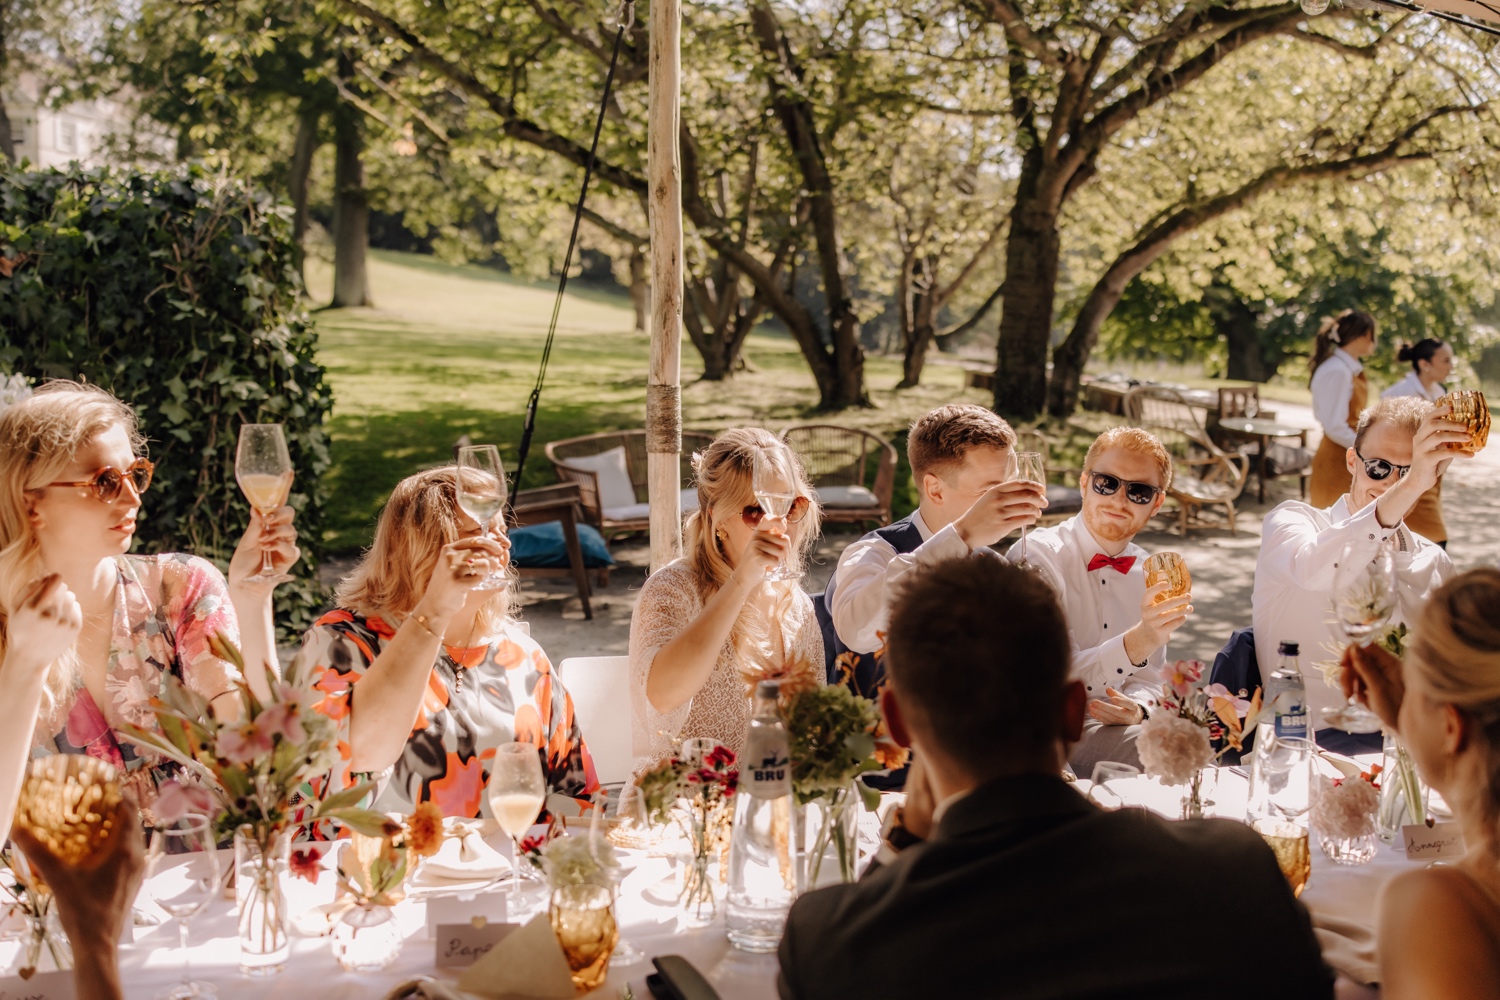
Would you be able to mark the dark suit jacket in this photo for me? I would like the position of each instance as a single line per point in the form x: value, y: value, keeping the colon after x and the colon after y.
x: 1028, y: 890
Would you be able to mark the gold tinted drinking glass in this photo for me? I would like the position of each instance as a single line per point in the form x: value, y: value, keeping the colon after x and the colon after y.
x: 1290, y: 843
x: 584, y: 921
x: 68, y: 803
x: 1470, y: 408
x: 1168, y: 567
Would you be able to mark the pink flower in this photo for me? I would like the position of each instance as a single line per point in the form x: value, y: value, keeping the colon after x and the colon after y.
x: 243, y: 743
x: 282, y: 719
x: 304, y: 863
x: 1172, y: 748
x: 720, y: 757
x: 1182, y: 675
x: 176, y: 799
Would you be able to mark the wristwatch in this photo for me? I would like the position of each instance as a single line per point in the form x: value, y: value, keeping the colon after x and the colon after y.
x: 896, y: 834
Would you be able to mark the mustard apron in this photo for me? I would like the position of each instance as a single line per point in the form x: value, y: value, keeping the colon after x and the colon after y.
x: 1330, y: 477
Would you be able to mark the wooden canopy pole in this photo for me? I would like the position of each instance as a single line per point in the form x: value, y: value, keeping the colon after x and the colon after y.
x: 664, y: 205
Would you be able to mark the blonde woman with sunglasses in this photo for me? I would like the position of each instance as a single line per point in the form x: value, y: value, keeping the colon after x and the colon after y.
x: 707, y: 623
x: 86, y: 629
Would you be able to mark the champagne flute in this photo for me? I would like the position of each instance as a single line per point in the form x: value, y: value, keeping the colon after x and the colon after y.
x: 1364, y: 598
x: 517, y: 792
x: 629, y: 809
x: 1029, y: 468
x: 775, y: 491
x: 183, y: 875
x: 1280, y: 798
x: 263, y: 468
x: 480, y: 484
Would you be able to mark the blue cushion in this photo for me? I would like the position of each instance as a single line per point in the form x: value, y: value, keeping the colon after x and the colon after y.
x: 541, y: 546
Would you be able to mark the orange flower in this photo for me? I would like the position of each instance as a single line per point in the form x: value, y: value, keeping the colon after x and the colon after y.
x: 424, y: 829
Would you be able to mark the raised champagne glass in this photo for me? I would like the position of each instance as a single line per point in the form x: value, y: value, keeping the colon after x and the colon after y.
x: 1029, y: 467
x: 517, y: 791
x: 1364, y: 599
x: 481, y: 494
x: 775, y: 491
x: 263, y: 468
x: 182, y: 876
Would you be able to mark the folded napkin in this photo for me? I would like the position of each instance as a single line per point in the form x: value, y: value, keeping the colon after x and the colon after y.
x: 527, y: 963
x: 464, y: 857
x: 1348, y: 946
x: 424, y: 989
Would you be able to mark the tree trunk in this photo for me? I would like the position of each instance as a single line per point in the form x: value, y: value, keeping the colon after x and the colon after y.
x: 1241, y: 328
x: 918, y: 338
x: 351, y: 213
x: 7, y: 139
x: 1032, y: 248
x: 303, y: 149
x: 640, y: 289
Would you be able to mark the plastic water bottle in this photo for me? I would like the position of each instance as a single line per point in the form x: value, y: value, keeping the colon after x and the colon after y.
x: 761, y: 850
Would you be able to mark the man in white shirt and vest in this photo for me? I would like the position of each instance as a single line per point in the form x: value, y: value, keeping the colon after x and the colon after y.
x: 1119, y: 629
x: 1400, y: 449
x: 960, y: 456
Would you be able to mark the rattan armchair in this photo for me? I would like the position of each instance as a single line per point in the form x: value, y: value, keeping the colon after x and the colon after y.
x: 637, y: 516
x: 853, y: 471
x: 1204, y: 475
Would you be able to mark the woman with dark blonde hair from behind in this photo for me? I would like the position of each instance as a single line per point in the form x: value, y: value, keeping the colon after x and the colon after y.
x: 1439, y: 935
x: 708, y: 623
x: 86, y: 629
x: 427, y: 671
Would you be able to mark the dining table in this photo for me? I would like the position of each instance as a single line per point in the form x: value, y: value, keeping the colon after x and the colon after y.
x: 1341, y: 900
x: 1263, y: 430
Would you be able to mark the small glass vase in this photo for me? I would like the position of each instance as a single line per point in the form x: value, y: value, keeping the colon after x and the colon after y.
x: 44, y: 932
x: 833, y: 855
x: 367, y: 938
x: 1349, y: 850
x: 1403, y: 796
x: 260, y: 874
x: 1198, y: 793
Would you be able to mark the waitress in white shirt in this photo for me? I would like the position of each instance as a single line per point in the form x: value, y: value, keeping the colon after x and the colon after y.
x: 1432, y: 364
x: 1339, y: 393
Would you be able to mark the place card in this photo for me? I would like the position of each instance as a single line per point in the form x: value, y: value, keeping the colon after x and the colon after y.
x: 1441, y: 841
x: 460, y: 945
x: 42, y: 986
x: 486, y: 907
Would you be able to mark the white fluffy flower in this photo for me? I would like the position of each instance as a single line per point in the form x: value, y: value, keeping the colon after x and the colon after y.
x: 1346, y: 810
x: 1173, y: 749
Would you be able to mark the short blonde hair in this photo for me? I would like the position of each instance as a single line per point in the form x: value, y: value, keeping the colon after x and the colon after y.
x: 1406, y: 412
x: 940, y: 439
x: 1454, y: 657
x: 39, y: 437
x: 1133, y: 439
x: 421, y: 517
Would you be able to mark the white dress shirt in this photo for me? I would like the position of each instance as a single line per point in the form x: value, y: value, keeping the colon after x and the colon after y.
x: 868, y: 572
x: 1100, y: 606
x: 1332, y: 385
x: 1299, y: 551
x: 1412, y: 386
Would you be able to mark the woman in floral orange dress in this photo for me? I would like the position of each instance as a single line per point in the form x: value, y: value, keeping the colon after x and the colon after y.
x: 427, y: 674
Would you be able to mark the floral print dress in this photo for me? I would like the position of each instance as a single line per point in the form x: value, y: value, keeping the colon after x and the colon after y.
x: 507, y: 693
x: 167, y: 608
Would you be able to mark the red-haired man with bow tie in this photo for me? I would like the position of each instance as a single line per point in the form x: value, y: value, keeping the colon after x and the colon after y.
x: 1119, y: 631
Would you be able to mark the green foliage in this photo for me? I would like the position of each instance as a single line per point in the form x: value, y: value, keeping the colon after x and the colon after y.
x: 176, y: 291
x: 832, y: 736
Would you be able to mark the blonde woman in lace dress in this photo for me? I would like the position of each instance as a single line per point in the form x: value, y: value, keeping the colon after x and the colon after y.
x: 709, y: 622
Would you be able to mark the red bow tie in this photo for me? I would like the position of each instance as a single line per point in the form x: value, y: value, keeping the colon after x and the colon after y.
x: 1120, y: 564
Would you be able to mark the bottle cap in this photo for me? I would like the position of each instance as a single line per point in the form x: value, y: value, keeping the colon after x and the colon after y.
x: 1287, y: 648
x: 768, y: 689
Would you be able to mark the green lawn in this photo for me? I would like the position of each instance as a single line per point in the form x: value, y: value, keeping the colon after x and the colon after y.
x: 454, y: 350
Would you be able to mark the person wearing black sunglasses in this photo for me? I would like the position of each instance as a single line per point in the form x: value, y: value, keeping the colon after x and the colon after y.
x: 1119, y: 628
x: 73, y: 475
x: 1400, y: 450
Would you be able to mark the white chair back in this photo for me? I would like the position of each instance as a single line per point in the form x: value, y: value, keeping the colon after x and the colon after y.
x: 600, y: 689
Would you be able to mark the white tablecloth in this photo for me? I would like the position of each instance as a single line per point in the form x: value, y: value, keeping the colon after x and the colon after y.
x: 1341, y: 899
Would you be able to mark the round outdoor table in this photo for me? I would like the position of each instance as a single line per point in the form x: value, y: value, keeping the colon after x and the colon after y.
x: 1265, y: 430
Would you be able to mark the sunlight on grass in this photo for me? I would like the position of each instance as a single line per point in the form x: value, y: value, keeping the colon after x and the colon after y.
x: 452, y: 350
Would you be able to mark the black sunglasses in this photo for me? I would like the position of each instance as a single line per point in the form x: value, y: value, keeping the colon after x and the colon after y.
x: 752, y: 514
x: 109, y: 481
x: 1107, y: 486
x: 1378, y: 468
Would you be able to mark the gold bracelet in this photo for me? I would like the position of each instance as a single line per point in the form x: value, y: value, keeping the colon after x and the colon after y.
x: 422, y: 621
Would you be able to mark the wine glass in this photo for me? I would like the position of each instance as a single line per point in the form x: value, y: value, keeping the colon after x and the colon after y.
x: 1104, y: 794
x: 263, y: 468
x: 517, y: 791
x: 1364, y: 598
x: 1280, y: 798
x: 182, y: 876
x: 630, y: 808
x: 775, y: 491
x: 1028, y: 467
x: 480, y: 484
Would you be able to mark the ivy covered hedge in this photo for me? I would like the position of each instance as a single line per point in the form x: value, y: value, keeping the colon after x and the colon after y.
x: 177, y: 292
